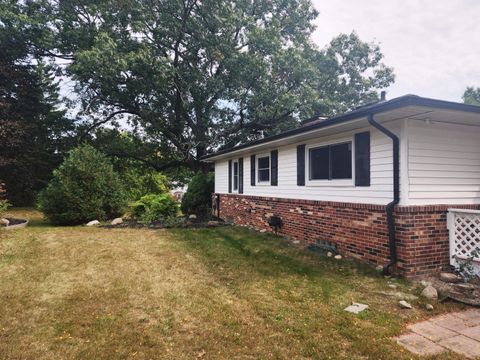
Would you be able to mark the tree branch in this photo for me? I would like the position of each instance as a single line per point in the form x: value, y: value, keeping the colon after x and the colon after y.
x: 152, y: 164
x: 104, y: 121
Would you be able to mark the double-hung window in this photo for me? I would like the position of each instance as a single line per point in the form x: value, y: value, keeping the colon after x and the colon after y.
x: 263, y: 165
x: 331, y: 162
x: 235, y: 175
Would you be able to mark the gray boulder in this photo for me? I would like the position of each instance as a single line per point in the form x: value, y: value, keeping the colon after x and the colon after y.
x: 430, y: 293
x: 404, y: 305
x: 450, y: 277
x: 93, y: 223
x: 117, y: 221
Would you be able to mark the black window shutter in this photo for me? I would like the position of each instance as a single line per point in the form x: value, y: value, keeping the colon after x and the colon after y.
x: 274, y: 167
x: 252, y: 170
x: 229, y: 176
x: 362, y: 159
x: 240, y: 175
x: 301, y: 165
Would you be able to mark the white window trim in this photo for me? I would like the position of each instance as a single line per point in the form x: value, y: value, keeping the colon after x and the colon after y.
x: 233, y: 176
x: 326, y: 182
x: 263, y: 183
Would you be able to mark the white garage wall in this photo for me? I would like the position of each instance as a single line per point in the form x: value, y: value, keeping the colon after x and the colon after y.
x: 443, y: 163
x: 379, y: 192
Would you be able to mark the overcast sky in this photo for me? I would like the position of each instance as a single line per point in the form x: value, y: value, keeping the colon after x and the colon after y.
x: 433, y: 45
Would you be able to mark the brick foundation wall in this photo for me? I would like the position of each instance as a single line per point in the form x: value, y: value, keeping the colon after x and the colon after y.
x: 422, y: 238
x: 358, y: 230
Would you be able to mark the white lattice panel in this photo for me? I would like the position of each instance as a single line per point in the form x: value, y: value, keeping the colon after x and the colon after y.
x: 464, y: 230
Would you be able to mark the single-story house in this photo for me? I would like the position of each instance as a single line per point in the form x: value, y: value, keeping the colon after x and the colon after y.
x: 377, y: 182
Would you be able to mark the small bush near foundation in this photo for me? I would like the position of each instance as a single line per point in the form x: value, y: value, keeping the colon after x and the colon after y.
x: 83, y: 188
x: 154, y: 207
x: 198, y: 198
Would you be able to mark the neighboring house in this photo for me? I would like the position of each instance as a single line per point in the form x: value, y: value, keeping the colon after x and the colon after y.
x: 178, y: 192
x: 377, y: 181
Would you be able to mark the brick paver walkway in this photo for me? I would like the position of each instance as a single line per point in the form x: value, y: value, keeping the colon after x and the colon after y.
x: 458, y: 332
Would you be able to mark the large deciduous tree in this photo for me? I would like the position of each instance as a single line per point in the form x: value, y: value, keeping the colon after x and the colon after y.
x: 471, y: 96
x: 201, y: 75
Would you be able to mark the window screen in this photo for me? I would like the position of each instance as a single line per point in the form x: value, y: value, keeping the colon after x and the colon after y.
x: 331, y: 162
x: 235, y: 175
x: 341, y: 161
x: 264, y: 168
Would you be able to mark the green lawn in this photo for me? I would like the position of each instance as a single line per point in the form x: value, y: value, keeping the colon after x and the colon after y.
x: 224, y: 293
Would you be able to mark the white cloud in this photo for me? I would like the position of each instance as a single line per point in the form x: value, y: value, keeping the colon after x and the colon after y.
x: 433, y: 45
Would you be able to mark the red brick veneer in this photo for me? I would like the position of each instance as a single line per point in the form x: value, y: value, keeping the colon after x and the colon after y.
x: 422, y: 238
x: 358, y: 230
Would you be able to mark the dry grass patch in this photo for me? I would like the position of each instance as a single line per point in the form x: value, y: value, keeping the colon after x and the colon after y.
x: 84, y: 293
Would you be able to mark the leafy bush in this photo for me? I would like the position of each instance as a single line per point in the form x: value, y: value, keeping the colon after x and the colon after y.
x: 83, y: 188
x: 140, y: 183
x: 4, y: 204
x: 155, y: 207
x: 198, y: 198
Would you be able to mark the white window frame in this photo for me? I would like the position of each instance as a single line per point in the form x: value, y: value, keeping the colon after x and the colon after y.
x: 257, y: 169
x: 327, y: 182
x: 233, y: 176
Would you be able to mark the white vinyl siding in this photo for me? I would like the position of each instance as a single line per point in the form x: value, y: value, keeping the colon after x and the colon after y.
x: 221, y: 177
x: 443, y: 163
x: 379, y: 192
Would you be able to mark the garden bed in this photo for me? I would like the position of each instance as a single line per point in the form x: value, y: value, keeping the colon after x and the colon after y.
x: 181, y: 223
x: 15, y: 223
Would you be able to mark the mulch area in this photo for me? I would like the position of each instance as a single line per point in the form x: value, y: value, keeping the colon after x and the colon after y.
x: 186, y: 223
x: 15, y: 221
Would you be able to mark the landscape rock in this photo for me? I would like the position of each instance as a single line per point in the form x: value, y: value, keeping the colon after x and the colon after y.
x: 465, y: 287
x: 356, y: 308
x: 392, y: 286
x: 425, y: 283
x: 338, y: 257
x: 329, y: 254
x: 263, y: 231
x: 93, y: 223
x: 430, y: 293
x: 296, y: 242
x: 192, y: 217
x: 4, y: 222
x: 117, y: 221
x: 379, y: 268
x: 213, y: 223
x: 450, y: 277
x: 404, y: 305
x: 429, y: 307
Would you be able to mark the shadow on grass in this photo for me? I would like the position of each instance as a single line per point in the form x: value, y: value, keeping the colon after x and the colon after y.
x: 268, y: 255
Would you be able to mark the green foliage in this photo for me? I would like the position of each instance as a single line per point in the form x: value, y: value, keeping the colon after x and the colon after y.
x: 136, y: 160
x: 199, y: 76
x: 34, y: 133
x: 471, y: 96
x: 155, y: 207
x: 83, y: 188
x: 4, y: 204
x: 138, y: 184
x: 198, y: 198
x: 351, y: 73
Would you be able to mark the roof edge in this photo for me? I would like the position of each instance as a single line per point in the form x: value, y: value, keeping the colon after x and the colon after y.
x: 378, y: 107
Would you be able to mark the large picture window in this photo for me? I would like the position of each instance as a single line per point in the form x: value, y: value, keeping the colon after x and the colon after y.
x: 331, y: 162
x: 263, y: 169
x: 235, y: 175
